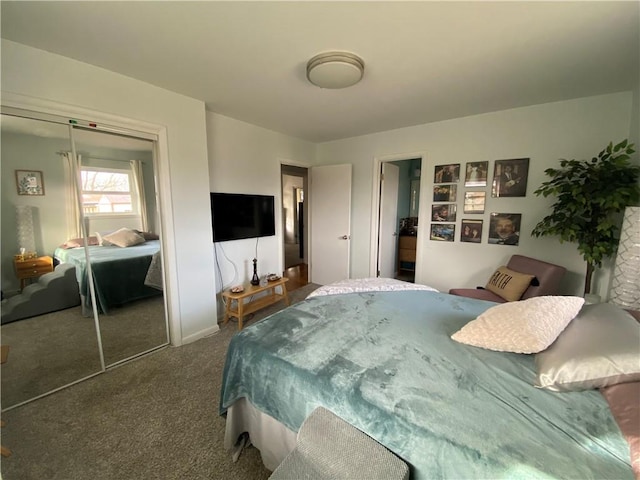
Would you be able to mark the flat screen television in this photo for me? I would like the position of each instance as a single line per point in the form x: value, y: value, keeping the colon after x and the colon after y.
x: 236, y: 216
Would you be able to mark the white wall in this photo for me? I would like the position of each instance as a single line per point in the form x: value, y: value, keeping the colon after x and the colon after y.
x: 544, y: 133
x: 43, y: 77
x: 634, y: 130
x: 28, y: 152
x: 244, y: 158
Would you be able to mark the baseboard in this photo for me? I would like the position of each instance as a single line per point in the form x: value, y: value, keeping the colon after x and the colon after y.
x: 201, y: 334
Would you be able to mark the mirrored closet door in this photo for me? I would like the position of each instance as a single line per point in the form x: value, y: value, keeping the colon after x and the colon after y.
x: 50, y: 343
x: 118, y: 197
x: 74, y: 303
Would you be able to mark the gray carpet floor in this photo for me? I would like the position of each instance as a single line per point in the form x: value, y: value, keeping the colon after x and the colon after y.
x: 58, y: 348
x: 152, y: 418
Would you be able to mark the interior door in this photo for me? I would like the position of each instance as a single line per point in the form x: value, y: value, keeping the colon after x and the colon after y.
x: 50, y: 343
x: 330, y: 203
x: 388, y: 231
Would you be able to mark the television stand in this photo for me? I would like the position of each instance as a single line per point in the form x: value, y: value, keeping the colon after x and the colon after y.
x: 243, y: 308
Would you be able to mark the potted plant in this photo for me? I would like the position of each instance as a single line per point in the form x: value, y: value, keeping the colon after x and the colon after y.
x: 589, y: 195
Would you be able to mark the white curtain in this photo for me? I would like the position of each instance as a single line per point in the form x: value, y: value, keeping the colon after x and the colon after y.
x: 72, y: 198
x: 138, y: 178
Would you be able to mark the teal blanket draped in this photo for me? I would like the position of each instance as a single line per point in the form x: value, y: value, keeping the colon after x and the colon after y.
x: 385, y: 363
x: 118, y: 273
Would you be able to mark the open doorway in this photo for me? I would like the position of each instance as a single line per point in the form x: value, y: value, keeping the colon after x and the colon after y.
x: 295, y: 230
x: 399, y: 198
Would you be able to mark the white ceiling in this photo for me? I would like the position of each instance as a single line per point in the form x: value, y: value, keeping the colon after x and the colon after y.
x: 425, y: 61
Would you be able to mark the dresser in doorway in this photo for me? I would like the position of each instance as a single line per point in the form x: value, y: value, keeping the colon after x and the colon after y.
x: 407, y: 257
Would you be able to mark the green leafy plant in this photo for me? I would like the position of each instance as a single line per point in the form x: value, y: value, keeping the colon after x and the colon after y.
x: 589, y: 195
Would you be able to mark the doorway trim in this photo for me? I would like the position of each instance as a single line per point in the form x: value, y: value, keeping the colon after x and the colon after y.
x: 375, y: 206
x: 115, y: 124
x: 306, y: 217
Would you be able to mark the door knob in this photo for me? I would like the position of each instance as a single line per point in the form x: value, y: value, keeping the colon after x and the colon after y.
x: 344, y: 237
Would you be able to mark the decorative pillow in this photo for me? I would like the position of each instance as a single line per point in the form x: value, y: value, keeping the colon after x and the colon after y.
x: 600, y: 347
x: 124, y: 237
x: 508, y: 283
x: 527, y: 326
x: 79, y: 242
x: 101, y: 240
x: 148, y: 235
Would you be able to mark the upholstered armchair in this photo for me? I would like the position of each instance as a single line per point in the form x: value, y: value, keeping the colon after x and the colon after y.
x: 546, y: 280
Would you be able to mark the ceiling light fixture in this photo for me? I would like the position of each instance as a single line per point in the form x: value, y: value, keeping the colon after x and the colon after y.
x: 335, y: 69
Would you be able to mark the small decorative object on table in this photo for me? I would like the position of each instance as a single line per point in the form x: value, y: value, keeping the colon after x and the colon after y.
x: 255, y: 280
x: 272, y: 277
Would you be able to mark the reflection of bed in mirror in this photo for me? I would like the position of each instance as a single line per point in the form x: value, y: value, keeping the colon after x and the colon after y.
x: 53, y: 342
x: 119, y: 273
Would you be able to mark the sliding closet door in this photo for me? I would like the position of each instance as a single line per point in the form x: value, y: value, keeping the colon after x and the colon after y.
x: 120, y: 210
x: 50, y: 343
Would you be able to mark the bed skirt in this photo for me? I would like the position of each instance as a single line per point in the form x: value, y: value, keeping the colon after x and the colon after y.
x: 271, y: 437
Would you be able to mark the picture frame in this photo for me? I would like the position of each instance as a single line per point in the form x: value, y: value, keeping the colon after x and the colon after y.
x: 476, y: 174
x: 446, y: 173
x: 474, y: 202
x: 504, y: 228
x: 443, y: 212
x: 471, y: 230
x: 29, y: 182
x: 445, y: 193
x: 510, y: 178
x: 443, y: 232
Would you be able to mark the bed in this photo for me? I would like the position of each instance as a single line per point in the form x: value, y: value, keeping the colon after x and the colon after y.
x: 385, y: 362
x: 119, y: 273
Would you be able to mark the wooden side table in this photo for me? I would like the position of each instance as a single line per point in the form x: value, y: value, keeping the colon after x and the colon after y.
x: 32, y: 268
x: 243, y: 308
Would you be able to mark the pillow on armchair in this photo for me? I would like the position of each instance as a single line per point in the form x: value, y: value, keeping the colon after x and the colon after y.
x: 508, y: 283
x: 546, y: 280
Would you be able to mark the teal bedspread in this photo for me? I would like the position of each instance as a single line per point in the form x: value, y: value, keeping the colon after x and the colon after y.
x: 118, y: 273
x: 385, y: 363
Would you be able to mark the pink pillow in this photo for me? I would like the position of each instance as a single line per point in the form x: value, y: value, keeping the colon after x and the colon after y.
x: 79, y: 242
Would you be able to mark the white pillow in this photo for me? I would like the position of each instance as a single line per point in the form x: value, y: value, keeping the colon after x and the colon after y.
x: 527, y: 326
x: 600, y: 347
x: 124, y: 237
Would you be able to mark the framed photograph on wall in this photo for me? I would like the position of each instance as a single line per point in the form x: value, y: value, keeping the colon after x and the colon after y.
x: 471, y: 231
x: 445, y: 193
x: 504, y: 228
x: 476, y: 174
x: 474, y: 202
x: 447, y: 173
x: 29, y: 182
x: 444, y: 232
x: 444, y: 212
x: 510, y: 178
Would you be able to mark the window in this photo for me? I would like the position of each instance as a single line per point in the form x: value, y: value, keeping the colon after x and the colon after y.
x: 108, y: 191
